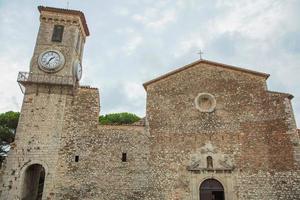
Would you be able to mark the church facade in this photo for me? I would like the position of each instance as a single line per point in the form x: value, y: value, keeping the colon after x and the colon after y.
x: 211, y: 132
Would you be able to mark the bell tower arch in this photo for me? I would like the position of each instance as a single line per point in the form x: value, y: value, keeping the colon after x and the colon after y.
x: 49, y: 87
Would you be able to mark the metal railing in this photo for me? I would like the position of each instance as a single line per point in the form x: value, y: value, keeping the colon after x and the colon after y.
x: 29, y: 77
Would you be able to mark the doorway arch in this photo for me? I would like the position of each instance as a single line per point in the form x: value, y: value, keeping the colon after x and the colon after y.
x: 211, y: 189
x: 33, y: 182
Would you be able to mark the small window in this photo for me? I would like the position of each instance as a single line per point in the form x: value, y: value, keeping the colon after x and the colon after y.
x: 205, y: 102
x: 76, y: 158
x: 57, y: 33
x: 124, y: 157
x: 209, y: 162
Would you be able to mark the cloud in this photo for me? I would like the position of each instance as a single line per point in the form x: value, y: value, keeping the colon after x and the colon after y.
x: 193, y: 42
x: 134, y: 91
x: 122, y: 11
x: 155, y: 18
x: 132, y: 44
x: 255, y: 19
x: 10, y: 92
x: 129, y: 97
x: 167, y: 17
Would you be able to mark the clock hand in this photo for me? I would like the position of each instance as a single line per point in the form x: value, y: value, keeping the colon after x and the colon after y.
x: 50, y: 60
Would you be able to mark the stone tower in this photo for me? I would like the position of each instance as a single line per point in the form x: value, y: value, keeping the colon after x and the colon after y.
x: 49, y: 86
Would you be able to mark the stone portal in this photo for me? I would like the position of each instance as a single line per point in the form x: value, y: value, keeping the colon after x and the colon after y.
x: 211, y: 189
x: 33, y: 183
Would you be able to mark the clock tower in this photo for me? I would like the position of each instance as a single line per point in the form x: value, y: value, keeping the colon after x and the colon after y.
x: 59, y: 47
x: 49, y: 88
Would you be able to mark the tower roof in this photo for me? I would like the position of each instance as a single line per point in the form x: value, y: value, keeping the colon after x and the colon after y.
x: 67, y: 11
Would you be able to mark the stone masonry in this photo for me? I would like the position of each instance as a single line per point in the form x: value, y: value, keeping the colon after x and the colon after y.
x: 204, y: 121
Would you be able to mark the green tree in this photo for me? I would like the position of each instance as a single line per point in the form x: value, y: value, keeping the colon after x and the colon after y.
x: 118, y: 118
x: 8, y: 126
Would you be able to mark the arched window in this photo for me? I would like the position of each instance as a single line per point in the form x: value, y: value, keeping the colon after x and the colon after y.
x: 211, y: 189
x: 209, y: 161
x: 33, y: 182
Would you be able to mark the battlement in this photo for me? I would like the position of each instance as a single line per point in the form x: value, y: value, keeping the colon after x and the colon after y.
x: 68, y: 12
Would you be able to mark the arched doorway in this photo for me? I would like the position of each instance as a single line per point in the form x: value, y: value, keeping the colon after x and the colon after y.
x: 211, y: 189
x: 33, y: 182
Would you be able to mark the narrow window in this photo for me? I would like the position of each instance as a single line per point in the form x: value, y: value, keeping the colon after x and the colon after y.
x: 209, y: 162
x: 76, y: 158
x: 57, y: 33
x: 124, y: 157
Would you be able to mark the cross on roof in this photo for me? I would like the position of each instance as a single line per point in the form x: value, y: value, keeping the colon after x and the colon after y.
x: 200, y: 53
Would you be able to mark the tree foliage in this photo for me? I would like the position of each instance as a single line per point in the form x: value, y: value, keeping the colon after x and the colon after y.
x: 118, y: 118
x: 8, y: 126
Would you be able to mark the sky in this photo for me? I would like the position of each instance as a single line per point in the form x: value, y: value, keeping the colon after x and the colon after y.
x: 134, y: 41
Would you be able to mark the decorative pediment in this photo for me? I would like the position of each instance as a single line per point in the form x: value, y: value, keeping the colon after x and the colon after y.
x: 209, y: 158
x: 208, y: 148
x: 223, y: 166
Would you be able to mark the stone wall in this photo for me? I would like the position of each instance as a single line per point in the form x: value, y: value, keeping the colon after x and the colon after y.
x: 100, y: 172
x: 249, y: 135
x: 37, y: 138
x: 269, y: 185
x: 1, y: 180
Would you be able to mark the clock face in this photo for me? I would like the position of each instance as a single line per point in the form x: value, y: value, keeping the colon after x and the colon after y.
x: 51, y: 60
x: 77, y: 70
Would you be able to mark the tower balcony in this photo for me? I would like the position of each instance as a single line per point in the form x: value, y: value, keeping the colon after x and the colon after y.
x: 29, y: 77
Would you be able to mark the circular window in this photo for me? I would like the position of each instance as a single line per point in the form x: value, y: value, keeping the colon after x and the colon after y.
x: 205, y: 102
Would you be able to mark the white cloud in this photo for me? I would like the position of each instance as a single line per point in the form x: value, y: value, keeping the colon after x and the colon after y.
x: 166, y: 18
x: 134, y: 91
x: 10, y: 93
x: 192, y: 43
x: 122, y: 11
x: 155, y: 18
x: 256, y: 19
x: 132, y: 44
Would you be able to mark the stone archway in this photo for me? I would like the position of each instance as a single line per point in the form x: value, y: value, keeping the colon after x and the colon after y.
x: 33, y: 182
x: 211, y: 189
